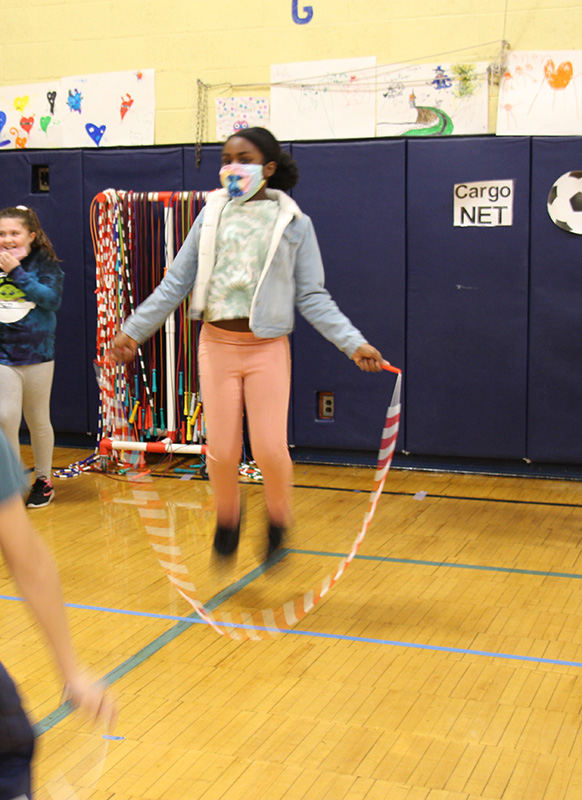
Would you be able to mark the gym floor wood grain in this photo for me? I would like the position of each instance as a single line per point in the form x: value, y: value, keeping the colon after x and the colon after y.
x: 445, y: 665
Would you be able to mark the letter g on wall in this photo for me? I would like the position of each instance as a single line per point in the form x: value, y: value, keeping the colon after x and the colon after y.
x: 308, y: 11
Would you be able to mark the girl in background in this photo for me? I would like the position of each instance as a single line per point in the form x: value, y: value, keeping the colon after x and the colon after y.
x: 31, y: 285
x: 249, y: 259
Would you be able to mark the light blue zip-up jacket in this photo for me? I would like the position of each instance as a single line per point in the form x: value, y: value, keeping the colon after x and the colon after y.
x: 292, y: 276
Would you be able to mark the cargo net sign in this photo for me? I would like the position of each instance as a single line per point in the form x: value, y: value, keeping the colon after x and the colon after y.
x: 483, y: 204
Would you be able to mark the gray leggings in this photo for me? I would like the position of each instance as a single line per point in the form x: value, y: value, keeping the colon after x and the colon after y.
x: 27, y: 390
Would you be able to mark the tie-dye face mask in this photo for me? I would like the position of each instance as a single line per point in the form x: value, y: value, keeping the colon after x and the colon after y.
x: 242, y: 181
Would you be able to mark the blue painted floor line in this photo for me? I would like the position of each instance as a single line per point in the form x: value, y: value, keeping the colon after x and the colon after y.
x: 235, y: 587
x: 184, y: 623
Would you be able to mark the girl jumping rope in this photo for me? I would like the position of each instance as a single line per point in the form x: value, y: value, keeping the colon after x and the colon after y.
x: 31, y: 286
x: 249, y: 259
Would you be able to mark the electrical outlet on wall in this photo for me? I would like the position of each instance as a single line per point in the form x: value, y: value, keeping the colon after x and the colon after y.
x: 325, y: 405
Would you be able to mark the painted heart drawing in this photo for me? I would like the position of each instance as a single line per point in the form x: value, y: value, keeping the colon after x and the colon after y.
x: 4, y: 142
x: 44, y: 123
x: 26, y: 123
x: 20, y: 103
x: 558, y: 78
x: 126, y: 104
x: 51, y: 97
x: 95, y: 132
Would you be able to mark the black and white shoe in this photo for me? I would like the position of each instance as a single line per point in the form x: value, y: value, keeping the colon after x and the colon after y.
x: 41, y: 494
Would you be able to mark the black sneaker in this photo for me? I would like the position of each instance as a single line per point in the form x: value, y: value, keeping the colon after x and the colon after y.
x: 276, y: 534
x: 41, y: 494
x: 226, y: 539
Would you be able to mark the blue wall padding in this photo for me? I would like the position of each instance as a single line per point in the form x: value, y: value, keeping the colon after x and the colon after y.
x: 61, y: 216
x: 354, y: 193
x: 555, y: 356
x: 467, y: 304
x: 383, y: 213
x: 139, y: 170
x: 205, y: 177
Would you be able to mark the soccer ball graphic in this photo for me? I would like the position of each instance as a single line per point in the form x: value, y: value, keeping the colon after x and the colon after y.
x: 565, y: 202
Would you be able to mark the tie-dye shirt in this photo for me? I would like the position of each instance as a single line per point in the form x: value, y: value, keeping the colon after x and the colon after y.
x: 29, y: 297
x: 242, y: 243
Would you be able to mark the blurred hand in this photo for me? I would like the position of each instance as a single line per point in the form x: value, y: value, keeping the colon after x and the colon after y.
x: 368, y: 358
x: 124, y: 348
x: 92, y: 699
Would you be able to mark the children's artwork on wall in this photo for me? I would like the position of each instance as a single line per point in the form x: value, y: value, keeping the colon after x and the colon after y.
x: 541, y: 94
x: 109, y: 109
x: 432, y: 99
x: 234, y: 113
x: 324, y: 99
x: 30, y: 116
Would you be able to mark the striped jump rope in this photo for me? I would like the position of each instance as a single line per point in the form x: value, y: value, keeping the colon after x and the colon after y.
x: 268, y: 622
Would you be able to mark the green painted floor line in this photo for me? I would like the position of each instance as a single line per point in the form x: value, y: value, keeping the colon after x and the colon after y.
x: 450, y: 564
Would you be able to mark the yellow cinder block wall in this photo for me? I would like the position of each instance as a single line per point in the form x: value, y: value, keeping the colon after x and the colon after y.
x: 229, y: 45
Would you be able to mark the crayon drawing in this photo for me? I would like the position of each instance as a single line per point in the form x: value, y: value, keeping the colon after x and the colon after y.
x: 324, y: 99
x: 541, y: 94
x: 432, y: 100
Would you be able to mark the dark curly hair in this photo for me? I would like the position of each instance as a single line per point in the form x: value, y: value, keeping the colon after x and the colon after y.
x: 287, y: 174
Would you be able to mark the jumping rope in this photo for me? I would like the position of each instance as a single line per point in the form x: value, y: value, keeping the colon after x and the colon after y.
x: 115, y: 277
x: 267, y: 622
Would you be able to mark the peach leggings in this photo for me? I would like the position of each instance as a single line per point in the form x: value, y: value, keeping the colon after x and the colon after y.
x: 239, y: 370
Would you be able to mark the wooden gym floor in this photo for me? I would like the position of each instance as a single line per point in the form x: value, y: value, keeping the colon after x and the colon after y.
x: 445, y: 665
